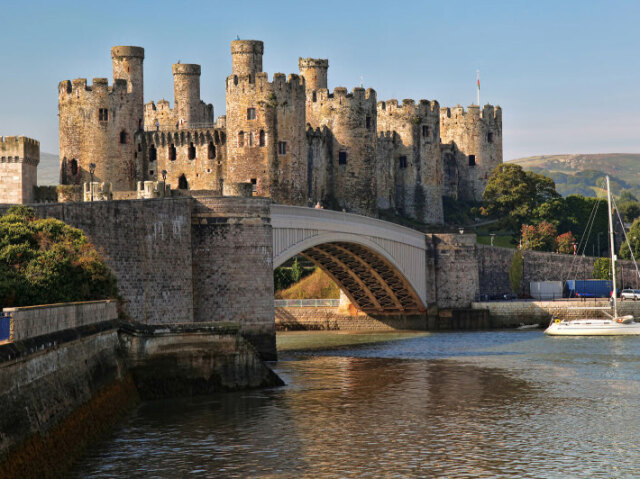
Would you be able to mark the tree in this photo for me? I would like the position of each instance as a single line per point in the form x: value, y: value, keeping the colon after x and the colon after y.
x: 45, y: 261
x: 633, y: 241
x: 602, y: 268
x: 540, y: 238
x: 513, y: 194
x: 565, y: 242
x: 629, y: 210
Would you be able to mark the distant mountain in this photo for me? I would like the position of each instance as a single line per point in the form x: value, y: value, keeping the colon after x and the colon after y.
x: 620, y: 165
x: 48, y: 169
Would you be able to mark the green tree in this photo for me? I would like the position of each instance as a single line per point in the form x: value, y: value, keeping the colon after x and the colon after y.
x: 296, y: 271
x: 46, y: 261
x: 515, y: 272
x: 629, y: 210
x: 633, y: 242
x: 602, y: 268
x: 512, y: 194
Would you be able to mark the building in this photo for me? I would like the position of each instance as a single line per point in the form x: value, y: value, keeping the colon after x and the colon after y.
x: 290, y: 137
x: 19, y: 158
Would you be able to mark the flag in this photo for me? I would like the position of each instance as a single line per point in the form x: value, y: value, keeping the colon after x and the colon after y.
x: 478, y: 80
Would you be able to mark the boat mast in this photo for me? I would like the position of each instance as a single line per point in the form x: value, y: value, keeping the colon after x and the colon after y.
x: 613, y: 256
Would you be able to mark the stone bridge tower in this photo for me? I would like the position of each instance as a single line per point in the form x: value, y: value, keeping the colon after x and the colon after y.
x: 98, y: 123
x: 266, y: 140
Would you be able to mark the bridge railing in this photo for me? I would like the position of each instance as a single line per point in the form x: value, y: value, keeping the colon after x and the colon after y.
x: 307, y: 303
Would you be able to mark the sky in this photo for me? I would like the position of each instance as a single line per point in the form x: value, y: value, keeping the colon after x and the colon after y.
x: 566, y: 73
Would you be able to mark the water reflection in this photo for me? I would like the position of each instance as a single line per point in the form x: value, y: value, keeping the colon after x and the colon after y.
x: 451, y: 405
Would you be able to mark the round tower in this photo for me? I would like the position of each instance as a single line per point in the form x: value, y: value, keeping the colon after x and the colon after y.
x: 314, y: 71
x: 186, y: 91
x: 247, y: 57
x: 127, y: 65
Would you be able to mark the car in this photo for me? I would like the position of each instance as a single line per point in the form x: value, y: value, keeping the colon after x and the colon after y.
x: 630, y: 294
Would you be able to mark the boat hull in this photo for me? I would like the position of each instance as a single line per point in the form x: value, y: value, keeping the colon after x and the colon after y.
x: 593, y: 327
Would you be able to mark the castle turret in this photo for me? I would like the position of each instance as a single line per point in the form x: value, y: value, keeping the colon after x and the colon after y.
x: 189, y: 110
x: 246, y: 57
x: 98, y: 123
x: 19, y: 158
x: 476, y: 138
x: 414, y: 167
x: 314, y: 71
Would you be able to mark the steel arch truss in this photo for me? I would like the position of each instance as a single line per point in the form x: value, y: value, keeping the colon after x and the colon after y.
x: 372, y: 284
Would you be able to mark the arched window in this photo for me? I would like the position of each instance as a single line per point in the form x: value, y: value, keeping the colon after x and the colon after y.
x: 153, y: 153
x: 182, y: 183
x: 192, y: 151
x: 172, y: 152
x: 211, y: 154
x: 74, y: 167
x: 123, y: 137
x: 262, y: 139
x: 241, y: 139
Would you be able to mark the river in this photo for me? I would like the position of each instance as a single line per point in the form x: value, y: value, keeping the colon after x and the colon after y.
x: 499, y: 404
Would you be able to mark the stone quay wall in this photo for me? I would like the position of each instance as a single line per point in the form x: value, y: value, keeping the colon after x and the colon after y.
x: 32, y: 321
x: 328, y: 319
x: 515, y: 313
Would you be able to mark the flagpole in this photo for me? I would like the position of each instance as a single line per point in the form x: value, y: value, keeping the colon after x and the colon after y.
x: 478, y: 83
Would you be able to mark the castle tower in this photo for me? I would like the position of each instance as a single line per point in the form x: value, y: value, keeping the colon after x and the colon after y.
x: 246, y: 57
x: 414, y: 168
x: 266, y: 138
x: 314, y: 71
x: 476, y: 138
x: 19, y: 158
x: 351, y: 162
x: 98, y: 123
x: 189, y: 110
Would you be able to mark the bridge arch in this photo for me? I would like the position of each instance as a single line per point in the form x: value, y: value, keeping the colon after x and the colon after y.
x: 380, y: 266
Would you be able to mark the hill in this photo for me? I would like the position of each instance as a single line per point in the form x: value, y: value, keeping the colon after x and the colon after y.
x: 48, y: 169
x: 582, y: 174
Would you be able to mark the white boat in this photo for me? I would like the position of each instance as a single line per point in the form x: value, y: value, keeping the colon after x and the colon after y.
x: 615, y: 325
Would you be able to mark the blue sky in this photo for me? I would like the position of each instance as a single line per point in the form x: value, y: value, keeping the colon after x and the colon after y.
x: 566, y: 73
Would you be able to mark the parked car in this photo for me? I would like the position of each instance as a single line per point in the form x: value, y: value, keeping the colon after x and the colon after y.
x: 630, y: 294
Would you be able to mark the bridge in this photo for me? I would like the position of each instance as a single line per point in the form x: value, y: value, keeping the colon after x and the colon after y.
x: 380, y: 266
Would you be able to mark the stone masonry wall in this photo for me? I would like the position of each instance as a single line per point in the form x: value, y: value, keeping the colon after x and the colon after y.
x: 456, y: 270
x: 19, y: 158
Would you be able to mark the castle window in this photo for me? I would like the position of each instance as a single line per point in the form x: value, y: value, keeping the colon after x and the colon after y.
x: 153, y: 153
x: 367, y: 122
x: 74, y: 167
x: 182, y: 183
x: 489, y: 137
x: 211, y: 154
x: 151, y: 172
x: 139, y: 147
x: 342, y: 158
x: 472, y: 160
x: 282, y: 147
x: 241, y: 139
x: 123, y: 137
x: 103, y: 114
x: 254, y: 185
x: 172, y: 152
x: 251, y: 113
x: 192, y: 152
x: 314, y: 96
x: 261, y: 138
x: 251, y: 139
x: 425, y: 131
x: 402, y: 162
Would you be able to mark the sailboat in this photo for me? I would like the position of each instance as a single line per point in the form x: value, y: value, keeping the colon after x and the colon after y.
x: 615, y: 325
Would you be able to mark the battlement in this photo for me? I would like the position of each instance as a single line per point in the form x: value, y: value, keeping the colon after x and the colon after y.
x: 127, y: 51
x: 186, y: 69
x: 78, y: 85
x: 408, y: 107
x: 16, y: 141
x: 313, y: 63
x: 260, y: 81
x: 247, y: 46
x: 341, y: 94
x: 488, y: 112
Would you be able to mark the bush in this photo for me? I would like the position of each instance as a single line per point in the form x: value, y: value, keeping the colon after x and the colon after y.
x: 45, y: 261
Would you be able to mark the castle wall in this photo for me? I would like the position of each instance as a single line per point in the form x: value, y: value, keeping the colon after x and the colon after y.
x: 19, y: 158
x: 415, y: 157
x: 266, y: 144
x: 351, y: 119
x: 202, y: 172
x: 477, y: 133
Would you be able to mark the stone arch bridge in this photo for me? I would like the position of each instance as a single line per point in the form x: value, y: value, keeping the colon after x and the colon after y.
x: 380, y: 266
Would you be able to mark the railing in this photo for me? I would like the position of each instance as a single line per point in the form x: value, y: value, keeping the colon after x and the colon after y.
x: 307, y: 303
x: 5, y: 326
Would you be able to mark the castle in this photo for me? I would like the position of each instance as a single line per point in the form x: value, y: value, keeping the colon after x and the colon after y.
x: 19, y: 158
x: 289, y: 139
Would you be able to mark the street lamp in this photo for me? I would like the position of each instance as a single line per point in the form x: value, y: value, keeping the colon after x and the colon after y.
x: 164, y: 182
x: 92, y: 170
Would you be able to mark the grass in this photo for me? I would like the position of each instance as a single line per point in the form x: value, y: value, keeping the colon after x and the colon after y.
x: 503, y: 241
x: 315, y: 286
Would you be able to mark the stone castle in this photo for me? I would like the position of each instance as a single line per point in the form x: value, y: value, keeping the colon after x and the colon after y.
x: 19, y: 158
x: 289, y: 139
